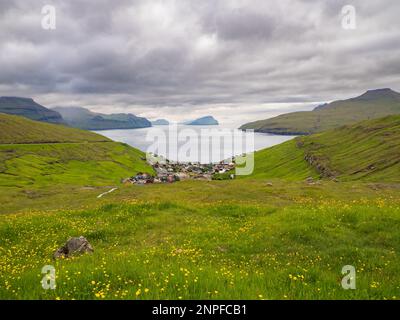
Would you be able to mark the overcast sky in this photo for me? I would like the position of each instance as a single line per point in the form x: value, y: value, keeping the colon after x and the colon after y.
x: 238, y: 60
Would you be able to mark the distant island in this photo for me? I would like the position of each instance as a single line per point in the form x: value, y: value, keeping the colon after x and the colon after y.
x: 204, y: 121
x: 370, y: 105
x: 82, y: 118
x: 160, y: 122
x: 28, y: 108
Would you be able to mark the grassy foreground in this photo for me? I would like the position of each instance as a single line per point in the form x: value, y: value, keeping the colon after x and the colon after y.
x: 171, y: 250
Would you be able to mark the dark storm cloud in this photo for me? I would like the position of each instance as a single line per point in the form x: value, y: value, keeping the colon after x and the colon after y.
x: 118, y: 54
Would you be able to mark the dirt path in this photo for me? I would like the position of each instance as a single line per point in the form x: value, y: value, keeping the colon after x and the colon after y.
x: 109, y: 191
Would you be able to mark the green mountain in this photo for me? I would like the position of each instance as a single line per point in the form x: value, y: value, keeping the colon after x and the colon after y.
x: 28, y: 108
x: 368, y: 151
x: 204, y: 121
x: 371, y: 105
x: 82, y: 118
x: 38, y: 156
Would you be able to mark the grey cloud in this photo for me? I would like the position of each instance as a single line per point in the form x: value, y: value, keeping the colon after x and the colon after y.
x: 196, y: 54
x: 244, y: 25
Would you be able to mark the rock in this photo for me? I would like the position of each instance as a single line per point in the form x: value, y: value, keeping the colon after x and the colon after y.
x: 299, y: 143
x: 73, y: 246
x: 310, y: 180
x: 127, y: 181
x: 269, y: 184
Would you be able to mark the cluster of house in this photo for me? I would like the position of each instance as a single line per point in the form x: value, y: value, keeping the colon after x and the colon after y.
x: 169, y: 172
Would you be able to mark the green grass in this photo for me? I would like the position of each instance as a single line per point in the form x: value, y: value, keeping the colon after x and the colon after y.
x: 218, y: 251
x: 267, y: 236
x: 46, y: 163
x: 15, y: 130
x: 284, y: 161
x: 80, y: 164
x: 368, y: 151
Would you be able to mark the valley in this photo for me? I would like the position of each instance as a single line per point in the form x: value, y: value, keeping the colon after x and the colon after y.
x: 282, y: 233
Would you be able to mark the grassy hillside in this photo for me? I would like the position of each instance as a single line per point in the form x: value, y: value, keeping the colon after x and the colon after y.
x: 284, y: 161
x: 371, y: 105
x: 369, y: 151
x: 18, y: 130
x: 35, y: 155
x: 61, y: 164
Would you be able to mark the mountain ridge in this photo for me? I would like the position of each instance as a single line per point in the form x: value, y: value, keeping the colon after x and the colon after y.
x: 372, y: 104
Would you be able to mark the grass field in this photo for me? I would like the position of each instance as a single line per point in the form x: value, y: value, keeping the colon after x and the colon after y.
x: 170, y: 250
x: 272, y: 235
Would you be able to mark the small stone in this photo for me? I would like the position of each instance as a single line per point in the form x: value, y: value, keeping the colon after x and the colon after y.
x: 73, y: 246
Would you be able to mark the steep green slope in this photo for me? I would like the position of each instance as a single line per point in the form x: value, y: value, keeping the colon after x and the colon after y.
x: 34, y: 155
x: 28, y: 108
x: 63, y: 164
x: 368, y: 150
x: 284, y: 161
x: 371, y: 105
x: 16, y: 129
x: 82, y: 118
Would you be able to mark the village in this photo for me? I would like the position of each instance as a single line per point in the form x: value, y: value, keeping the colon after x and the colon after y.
x: 170, y: 172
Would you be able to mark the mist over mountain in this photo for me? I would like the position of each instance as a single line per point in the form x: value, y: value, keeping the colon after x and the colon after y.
x: 28, y: 108
x: 82, y: 118
x: 160, y: 122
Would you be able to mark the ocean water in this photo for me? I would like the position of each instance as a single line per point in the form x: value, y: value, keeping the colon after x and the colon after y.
x: 203, y: 144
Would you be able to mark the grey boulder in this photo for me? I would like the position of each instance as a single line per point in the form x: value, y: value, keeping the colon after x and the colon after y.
x: 72, y: 247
